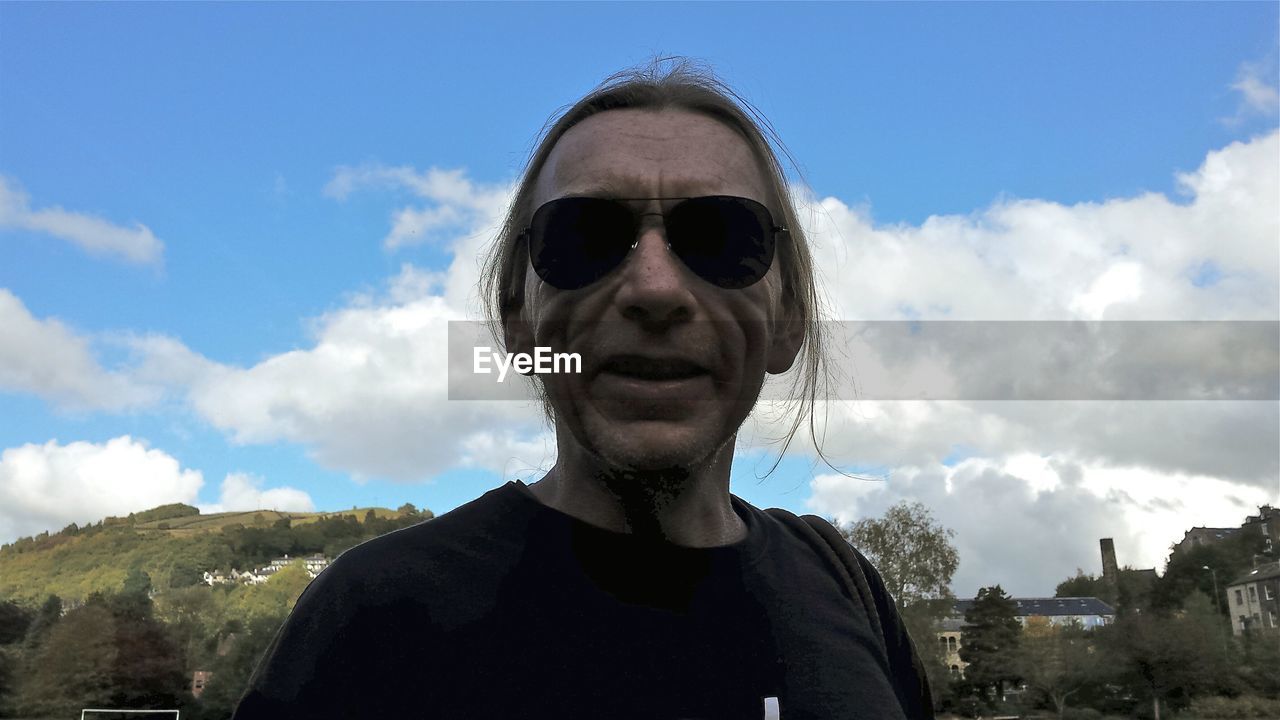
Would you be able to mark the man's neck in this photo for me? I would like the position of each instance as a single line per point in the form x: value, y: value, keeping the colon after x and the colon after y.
x: 686, y: 507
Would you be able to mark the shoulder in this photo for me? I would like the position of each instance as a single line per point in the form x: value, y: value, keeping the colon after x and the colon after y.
x: 428, y: 565
x: 366, y: 618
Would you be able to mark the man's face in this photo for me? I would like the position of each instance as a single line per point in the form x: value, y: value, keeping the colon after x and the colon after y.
x: 652, y: 313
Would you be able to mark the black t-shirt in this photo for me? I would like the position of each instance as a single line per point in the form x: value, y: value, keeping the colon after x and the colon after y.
x: 506, y: 608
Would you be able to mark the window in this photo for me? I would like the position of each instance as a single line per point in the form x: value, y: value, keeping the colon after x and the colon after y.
x: 942, y: 642
x: 1271, y: 595
x: 952, y: 644
x: 1272, y: 617
x: 1244, y: 623
x: 1253, y: 593
x: 1239, y: 598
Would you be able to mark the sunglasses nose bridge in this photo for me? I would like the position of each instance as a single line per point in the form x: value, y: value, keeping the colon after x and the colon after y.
x: 644, y: 227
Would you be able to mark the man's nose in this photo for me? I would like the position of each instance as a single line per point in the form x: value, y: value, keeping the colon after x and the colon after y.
x: 655, y: 284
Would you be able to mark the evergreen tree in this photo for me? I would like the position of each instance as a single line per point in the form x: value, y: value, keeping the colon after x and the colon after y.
x: 14, y: 622
x: 990, y: 642
x: 46, y: 617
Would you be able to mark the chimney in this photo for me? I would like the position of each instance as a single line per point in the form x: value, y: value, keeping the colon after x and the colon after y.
x: 1110, y: 570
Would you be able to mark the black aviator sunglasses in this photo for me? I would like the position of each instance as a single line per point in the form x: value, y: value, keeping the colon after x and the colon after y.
x: 727, y: 241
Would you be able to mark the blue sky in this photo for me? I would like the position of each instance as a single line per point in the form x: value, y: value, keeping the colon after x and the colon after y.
x: 219, y: 127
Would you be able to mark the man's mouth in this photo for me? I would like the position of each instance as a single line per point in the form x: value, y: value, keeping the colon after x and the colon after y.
x: 654, y: 369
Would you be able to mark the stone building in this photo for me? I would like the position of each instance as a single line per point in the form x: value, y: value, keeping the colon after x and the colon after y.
x: 1253, y: 599
x: 1087, y: 612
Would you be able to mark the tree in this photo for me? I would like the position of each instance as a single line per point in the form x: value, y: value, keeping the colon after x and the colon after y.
x: 1186, y: 570
x: 147, y: 669
x: 912, y: 551
x: 46, y: 617
x: 73, y: 667
x: 183, y: 575
x: 277, y: 595
x: 990, y: 644
x: 231, y: 671
x: 1169, y: 658
x: 407, y: 509
x: 137, y: 582
x: 915, y: 557
x: 192, y: 616
x: 1083, y: 585
x: 8, y: 676
x: 1056, y: 661
x: 14, y: 621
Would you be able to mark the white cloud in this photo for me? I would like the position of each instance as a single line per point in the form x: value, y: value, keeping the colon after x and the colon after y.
x: 1045, y: 480
x: 371, y: 396
x: 1257, y: 87
x: 457, y: 202
x: 1027, y: 522
x: 242, y: 491
x: 46, y: 487
x: 92, y: 234
x: 48, y: 359
x: 1132, y: 258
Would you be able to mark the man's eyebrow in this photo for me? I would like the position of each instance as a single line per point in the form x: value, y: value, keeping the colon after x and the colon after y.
x: 600, y: 190
x: 612, y: 190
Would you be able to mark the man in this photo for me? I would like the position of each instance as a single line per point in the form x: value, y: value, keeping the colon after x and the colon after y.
x: 653, y: 235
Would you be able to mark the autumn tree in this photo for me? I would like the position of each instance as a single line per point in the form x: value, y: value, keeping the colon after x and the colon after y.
x: 912, y: 551
x: 915, y: 557
x: 1056, y: 661
x: 990, y: 644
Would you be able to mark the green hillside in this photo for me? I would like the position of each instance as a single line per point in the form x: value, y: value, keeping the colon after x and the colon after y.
x: 175, y: 545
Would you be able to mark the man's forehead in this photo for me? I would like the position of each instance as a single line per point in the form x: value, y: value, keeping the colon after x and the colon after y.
x: 645, y: 153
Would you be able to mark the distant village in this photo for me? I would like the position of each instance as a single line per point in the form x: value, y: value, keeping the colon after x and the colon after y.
x: 312, y: 563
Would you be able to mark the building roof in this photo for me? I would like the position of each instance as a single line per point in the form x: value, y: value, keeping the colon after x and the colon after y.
x: 1050, y: 607
x: 1218, y: 533
x: 1265, y: 571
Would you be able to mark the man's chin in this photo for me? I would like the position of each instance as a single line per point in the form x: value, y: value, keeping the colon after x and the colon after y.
x: 656, y: 448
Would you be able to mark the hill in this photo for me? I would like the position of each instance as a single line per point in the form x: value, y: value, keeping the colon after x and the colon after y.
x: 175, y: 545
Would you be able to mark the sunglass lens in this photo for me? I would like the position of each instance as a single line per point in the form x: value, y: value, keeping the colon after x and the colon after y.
x: 724, y: 240
x: 574, y: 242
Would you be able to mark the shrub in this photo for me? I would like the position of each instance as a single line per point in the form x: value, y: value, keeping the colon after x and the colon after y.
x: 1226, y: 708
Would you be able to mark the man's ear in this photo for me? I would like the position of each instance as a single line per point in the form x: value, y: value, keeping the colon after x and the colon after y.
x: 788, y: 336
